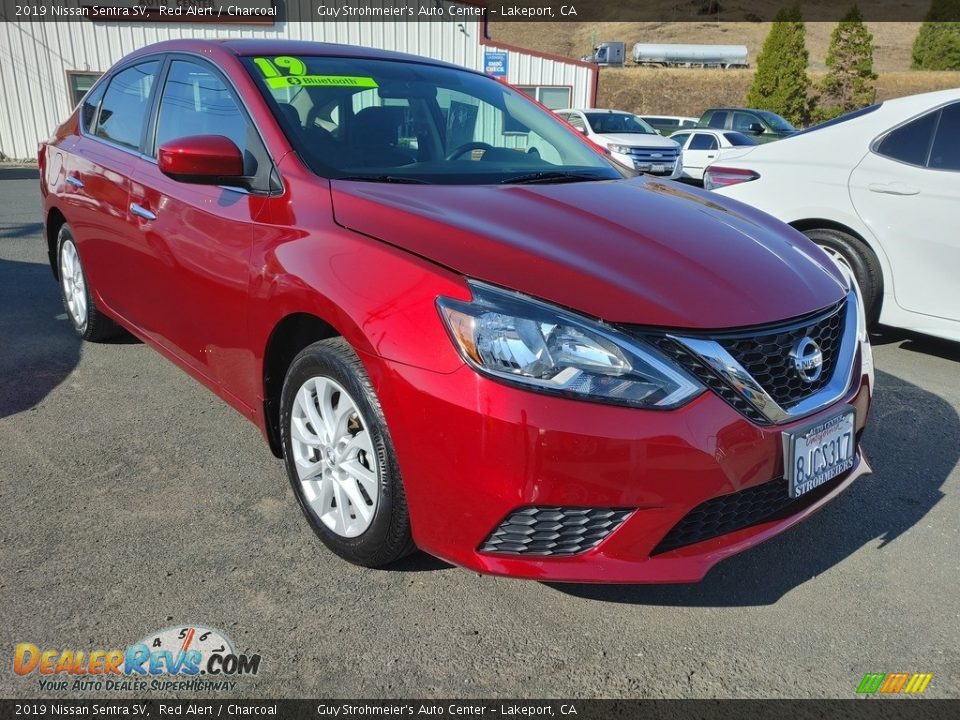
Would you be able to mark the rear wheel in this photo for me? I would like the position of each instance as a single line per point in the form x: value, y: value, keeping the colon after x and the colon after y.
x: 89, y: 323
x: 339, y: 456
x: 855, y: 256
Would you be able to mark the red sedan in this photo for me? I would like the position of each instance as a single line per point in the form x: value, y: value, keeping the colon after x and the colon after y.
x: 462, y: 327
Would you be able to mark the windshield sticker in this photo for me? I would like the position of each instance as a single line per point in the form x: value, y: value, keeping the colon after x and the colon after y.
x: 321, y: 81
x: 293, y: 66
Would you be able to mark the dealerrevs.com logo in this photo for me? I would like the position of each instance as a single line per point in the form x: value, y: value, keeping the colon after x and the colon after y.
x: 188, y: 658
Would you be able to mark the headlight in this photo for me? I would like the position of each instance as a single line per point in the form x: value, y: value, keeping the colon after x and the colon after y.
x: 518, y: 339
x: 622, y: 149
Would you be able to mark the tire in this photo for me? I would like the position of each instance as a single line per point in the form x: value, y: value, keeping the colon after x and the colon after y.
x: 860, y: 259
x: 357, y: 508
x: 87, y: 320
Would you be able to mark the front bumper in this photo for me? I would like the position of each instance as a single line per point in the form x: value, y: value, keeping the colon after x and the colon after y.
x: 472, y: 451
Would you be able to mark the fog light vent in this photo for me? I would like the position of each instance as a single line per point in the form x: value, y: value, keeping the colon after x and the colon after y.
x: 553, y: 530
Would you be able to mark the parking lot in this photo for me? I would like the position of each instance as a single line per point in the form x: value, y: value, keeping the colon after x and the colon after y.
x: 135, y: 500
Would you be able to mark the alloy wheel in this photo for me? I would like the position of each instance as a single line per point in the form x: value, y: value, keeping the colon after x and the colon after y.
x: 73, y: 282
x: 334, y: 457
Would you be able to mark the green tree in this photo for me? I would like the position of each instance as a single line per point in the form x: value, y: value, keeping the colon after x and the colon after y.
x: 849, y: 82
x: 937, y: 46
x: 781, y: 83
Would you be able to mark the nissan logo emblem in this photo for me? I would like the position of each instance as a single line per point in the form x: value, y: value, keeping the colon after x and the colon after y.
x: 807, y: 360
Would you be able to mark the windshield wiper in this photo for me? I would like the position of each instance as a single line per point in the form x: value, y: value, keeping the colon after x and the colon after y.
x: 384, y: 179
x: 549, y: 177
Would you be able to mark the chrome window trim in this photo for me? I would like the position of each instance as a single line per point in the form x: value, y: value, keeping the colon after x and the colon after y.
x: 155, y: 109
x: 735, y: 375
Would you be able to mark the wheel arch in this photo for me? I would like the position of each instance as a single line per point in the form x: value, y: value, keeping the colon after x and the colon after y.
x: 52, y: 224
x: 289, y: 336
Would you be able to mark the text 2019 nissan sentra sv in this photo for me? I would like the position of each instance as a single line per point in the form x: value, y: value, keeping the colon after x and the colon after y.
x: 459, y: 324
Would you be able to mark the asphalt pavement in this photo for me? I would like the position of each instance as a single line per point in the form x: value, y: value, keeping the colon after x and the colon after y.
x: 134, y: 500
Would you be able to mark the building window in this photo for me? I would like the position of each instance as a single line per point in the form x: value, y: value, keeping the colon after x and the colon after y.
x: 555, y: 98
x: 79, y: 83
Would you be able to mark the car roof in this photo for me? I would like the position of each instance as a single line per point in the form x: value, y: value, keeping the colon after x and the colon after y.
x: 596, y: 110
x: 250, y: 47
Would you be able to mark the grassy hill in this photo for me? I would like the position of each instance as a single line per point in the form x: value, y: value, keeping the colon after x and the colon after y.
x: 690, y: 91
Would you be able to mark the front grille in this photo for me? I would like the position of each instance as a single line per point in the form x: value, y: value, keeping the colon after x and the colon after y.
x: 553, y: 530
x: 654, y: 155
x: 710, y: 379
x: 766, y: 356
x: 736, y: 511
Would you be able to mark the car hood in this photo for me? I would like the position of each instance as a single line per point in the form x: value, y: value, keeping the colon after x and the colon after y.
x: 638, y: 251
x: 636, y: 140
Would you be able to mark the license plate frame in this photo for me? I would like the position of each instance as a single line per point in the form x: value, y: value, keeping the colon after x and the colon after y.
x: 813, y: 445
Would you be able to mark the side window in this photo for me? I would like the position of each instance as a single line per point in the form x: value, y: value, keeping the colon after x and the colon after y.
x: 945, y: 154
x: 195, y: 101
x: 88, y: 112
x: 743, y: 121
x: 702, y: 141
x: 910, y: 143
x: 680, y: 138
x: 123, y: 111
x: 718, y: 120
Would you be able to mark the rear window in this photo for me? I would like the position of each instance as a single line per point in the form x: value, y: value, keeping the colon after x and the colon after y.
x: 738, y: 139
x: 842, y: 118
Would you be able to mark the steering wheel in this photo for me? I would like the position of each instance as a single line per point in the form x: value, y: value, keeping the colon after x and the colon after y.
x: 467, y: 147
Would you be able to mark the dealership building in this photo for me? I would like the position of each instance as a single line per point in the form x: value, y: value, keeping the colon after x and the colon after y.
x: 47, y: 66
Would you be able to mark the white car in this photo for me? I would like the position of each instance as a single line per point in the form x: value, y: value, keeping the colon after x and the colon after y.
x: 879, y: 190
x: 629, y: 139
x: 701, y: 147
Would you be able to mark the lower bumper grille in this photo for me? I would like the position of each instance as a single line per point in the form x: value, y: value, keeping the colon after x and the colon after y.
x: 739, y: 510
x: 553, y: 530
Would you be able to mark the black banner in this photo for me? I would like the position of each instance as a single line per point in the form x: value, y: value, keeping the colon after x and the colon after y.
x: 273, y: 11
x: 915, y: 709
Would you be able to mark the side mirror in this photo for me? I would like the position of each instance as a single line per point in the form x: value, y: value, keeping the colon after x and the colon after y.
x: 202, y: 159
x: 755, y: 128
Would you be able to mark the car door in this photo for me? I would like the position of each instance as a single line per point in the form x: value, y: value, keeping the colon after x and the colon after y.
x: 197, y: 238
x: 907, y: 191
x: 700, y: 152
x: 97, y: 188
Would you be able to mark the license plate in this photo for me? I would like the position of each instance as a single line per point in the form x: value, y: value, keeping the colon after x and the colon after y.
x: 819, y: 452
x: 658, y: 168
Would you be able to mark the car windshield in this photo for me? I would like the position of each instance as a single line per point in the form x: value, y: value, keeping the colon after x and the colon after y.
x: 775, y: 121
x: 396, y: 121
x: 610, y: 122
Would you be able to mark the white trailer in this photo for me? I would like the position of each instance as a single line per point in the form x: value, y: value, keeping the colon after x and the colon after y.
x: 676, y: 55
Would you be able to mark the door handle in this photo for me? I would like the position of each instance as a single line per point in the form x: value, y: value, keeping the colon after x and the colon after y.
x: 74, y: 181
x: 894, y: 188
x: 142, y: 212
x: 711, y: 156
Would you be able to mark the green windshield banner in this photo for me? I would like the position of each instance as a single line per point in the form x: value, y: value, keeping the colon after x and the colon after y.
x: 321, y: 80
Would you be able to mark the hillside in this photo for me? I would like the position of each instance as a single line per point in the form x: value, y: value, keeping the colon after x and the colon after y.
x: 893, y: 40
x: 690, y: 91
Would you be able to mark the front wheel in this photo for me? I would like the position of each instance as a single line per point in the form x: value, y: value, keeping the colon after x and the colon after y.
x: 340, y: 459
x: 855, y: 256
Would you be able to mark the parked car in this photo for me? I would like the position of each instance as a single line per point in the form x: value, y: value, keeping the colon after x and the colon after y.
x: 629, y: 139
x: 703, y: 147
x: 878, y: 189
x: 763, y: 125
x: 530, y: 364
x: 667, y: 124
